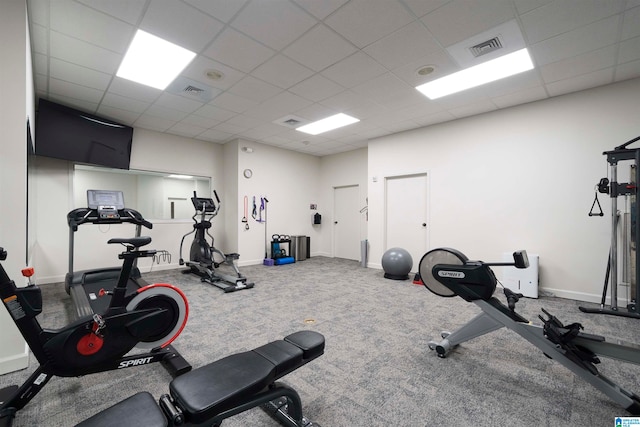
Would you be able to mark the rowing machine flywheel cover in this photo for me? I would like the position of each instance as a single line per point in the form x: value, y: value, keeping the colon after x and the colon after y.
x: 433, y: 258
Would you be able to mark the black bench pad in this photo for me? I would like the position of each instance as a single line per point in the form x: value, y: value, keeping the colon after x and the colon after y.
x: 224, y: 384
x: 140, y: 409
x: 227, y: 383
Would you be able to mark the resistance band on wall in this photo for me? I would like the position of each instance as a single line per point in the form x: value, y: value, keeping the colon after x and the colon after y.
x: 246, y: 209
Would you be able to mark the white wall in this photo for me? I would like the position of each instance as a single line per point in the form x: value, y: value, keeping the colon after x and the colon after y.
x: 520, y: 178
x: 291, y: 182
x: 16, y: 84
x: 340, y: 170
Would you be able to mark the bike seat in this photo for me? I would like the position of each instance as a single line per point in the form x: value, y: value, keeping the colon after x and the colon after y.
x: 136, y: 242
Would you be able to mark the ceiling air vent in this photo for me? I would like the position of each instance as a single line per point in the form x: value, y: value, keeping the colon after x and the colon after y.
x: 486, y: 47
x: 192, y: 90
x: 291, y: 121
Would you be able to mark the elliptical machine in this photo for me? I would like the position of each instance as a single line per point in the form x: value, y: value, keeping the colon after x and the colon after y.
x: 151, y: 318
x: 202, y: 254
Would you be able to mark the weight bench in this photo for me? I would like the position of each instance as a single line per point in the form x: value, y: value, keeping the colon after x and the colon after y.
x: 226, y: 387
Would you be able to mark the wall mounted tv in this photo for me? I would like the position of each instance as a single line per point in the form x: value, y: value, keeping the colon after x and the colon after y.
x: 68, y: 134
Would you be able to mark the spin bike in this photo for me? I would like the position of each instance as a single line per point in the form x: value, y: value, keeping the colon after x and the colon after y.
x: 202, y: 261
x: 149, y: 318
x: 447, y: 272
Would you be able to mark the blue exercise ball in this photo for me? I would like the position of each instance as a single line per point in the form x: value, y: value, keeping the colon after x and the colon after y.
x: 397, y: 264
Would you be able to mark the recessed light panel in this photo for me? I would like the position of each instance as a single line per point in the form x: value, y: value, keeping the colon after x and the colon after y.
x: 327, y: 124
x: 153, y: 61
x: 496, y: 69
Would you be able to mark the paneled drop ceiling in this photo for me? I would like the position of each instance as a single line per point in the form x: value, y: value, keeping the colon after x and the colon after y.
x: 261, y: 63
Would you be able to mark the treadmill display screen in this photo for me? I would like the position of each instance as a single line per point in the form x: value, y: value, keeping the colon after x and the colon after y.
x: 98, y: 198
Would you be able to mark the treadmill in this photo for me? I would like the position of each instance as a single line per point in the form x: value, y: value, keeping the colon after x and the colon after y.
x: 84, y: 287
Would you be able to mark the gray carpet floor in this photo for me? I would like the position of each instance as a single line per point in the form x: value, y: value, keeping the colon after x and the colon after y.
x: 377, y: 369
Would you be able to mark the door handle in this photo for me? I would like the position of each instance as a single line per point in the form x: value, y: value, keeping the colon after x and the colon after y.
x: 424, y: 224
x: 335, y: 222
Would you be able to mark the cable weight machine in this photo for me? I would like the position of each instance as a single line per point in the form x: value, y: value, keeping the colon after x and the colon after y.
x: 630, y: 234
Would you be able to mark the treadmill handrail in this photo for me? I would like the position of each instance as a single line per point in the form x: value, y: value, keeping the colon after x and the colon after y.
x: 90, y: 216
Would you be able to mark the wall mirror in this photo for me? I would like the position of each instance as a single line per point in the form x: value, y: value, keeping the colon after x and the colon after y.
x: 155, y: 195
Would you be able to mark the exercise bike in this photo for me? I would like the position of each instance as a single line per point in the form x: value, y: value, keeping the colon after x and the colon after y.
x: 448, y: 273
x: 202, y: 254
x: 149, y: 318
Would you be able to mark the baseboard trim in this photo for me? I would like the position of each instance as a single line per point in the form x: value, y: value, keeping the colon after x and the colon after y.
x: 15, y: 362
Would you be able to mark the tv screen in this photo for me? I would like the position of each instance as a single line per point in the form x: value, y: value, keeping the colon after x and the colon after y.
x: 68, y: 134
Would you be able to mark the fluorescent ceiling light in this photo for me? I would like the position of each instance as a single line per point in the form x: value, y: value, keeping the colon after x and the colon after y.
x: 180, y: 176
x: 499, y: 68
x: 152, y: 61
x: 327, y: 124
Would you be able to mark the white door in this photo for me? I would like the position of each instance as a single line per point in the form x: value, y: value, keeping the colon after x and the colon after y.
x: 406, y: 215
x: 346, y: 225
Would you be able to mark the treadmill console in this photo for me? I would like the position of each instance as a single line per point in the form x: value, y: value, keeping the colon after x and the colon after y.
x: 106, y: 202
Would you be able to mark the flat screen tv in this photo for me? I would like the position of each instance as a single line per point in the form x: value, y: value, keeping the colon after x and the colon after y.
x: 68, y: 134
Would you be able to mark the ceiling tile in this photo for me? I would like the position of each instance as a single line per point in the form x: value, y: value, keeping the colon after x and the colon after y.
x: 362, y: 22
x: 186, y: 129
x: 332, y: 49
x: 79, y: 52
x: 390, y: 91
x: 581, y: 64
x: 282, y: 72
x: 629, y: 50
x: 233, y: 102
x: 80, y: 75
x: 244, y: 121
x: 461, y: 19
x: 254, y: 89
x: 629, y: 70
x: 162, y: 112
x: 215, y: 113
x: 410, y: 42
x: 275, y: 23
x: 129, y: 11
x: 286, y: 102
x: 133, y: 90
x: 421, y: 7
x: 630, y: 27
x: 321, y: 9
x: 39, y: 39
x: 229, y: 128
x: 118, y: 101
x: 153, y: 123
x: 473, y: 109
x: 521, y: 97
x: 118, y: 114
x: 38, y: 12
x: 199, y: 121
x: 315, y: 112
x: 238, y: 51
x: 524, y: 6
x: 222, y: 10
x: 199, y: 67
x: 316, y: 88
x: 214, y: 136
x: 181, y: 24
x: 440, y: 60
x: 179, y: 103
x: 75, y: 91
x: 78, y: 104
x: 354, y: 70
x: 585, y: 81
x: 557, y: 18
x: 580, y: 40
x: 90, y: 26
